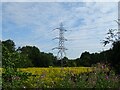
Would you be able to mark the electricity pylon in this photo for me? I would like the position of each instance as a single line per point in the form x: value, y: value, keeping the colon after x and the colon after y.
x: 61, y: 48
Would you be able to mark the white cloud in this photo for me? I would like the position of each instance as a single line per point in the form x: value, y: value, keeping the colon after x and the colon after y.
x: 89, y: 22
x: 59, y: 0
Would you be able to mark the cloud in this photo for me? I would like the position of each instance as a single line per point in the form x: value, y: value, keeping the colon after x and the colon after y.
x: 59, y: 0
x: 32, y: 23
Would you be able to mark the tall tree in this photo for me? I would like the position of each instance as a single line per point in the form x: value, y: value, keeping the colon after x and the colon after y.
x: 9, y: 44
x: 86, y: 59
x: 33, y: 54
x: 13, y: 58
x: 115, y: 50
x: 116, y: 56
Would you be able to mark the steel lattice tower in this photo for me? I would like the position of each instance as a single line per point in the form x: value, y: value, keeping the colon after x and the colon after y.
x: 61, y: 48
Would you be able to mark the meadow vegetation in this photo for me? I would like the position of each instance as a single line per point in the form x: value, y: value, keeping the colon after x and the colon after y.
x: 28, y: 67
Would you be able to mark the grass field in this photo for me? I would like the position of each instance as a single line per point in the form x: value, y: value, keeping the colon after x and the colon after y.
x: 58, y: 70
x: 64, y: 77
x: 52, y: 76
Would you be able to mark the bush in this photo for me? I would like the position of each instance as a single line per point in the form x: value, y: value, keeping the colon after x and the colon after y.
x: 11, y: 78
x: 101, y: 77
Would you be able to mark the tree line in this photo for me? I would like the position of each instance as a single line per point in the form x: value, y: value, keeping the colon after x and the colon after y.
x: 31, y: 56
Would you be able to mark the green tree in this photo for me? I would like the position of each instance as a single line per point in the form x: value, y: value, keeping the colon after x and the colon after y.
x: 9, y: 44
x: 47, y: 59
x: 0, y: 54
x: 116, y: 56
x: 13, y: 58
x: 115, y: 50
x: 33, y: 53
x: 86, y: 59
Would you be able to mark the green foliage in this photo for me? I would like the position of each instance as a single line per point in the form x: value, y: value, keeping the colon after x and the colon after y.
x: 86, y: 59
x: 13, y: 59
x: 29, y: 56
x: 0, y: 54
x: 26, y: 56
x: 6, y: 58
x: 39, y: 59
x: 11, y: 78
x: 46, y: 59
x: 101, y: 77
x: 111, y: 37
x: 9, y: 44
x: 110, y: 56
x: 115, y: 56
x: 32, y: 53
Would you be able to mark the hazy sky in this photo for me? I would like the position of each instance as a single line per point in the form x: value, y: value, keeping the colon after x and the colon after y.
x: 31, y: 23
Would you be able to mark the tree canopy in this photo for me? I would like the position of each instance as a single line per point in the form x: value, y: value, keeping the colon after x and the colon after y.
x: 31, y: 56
